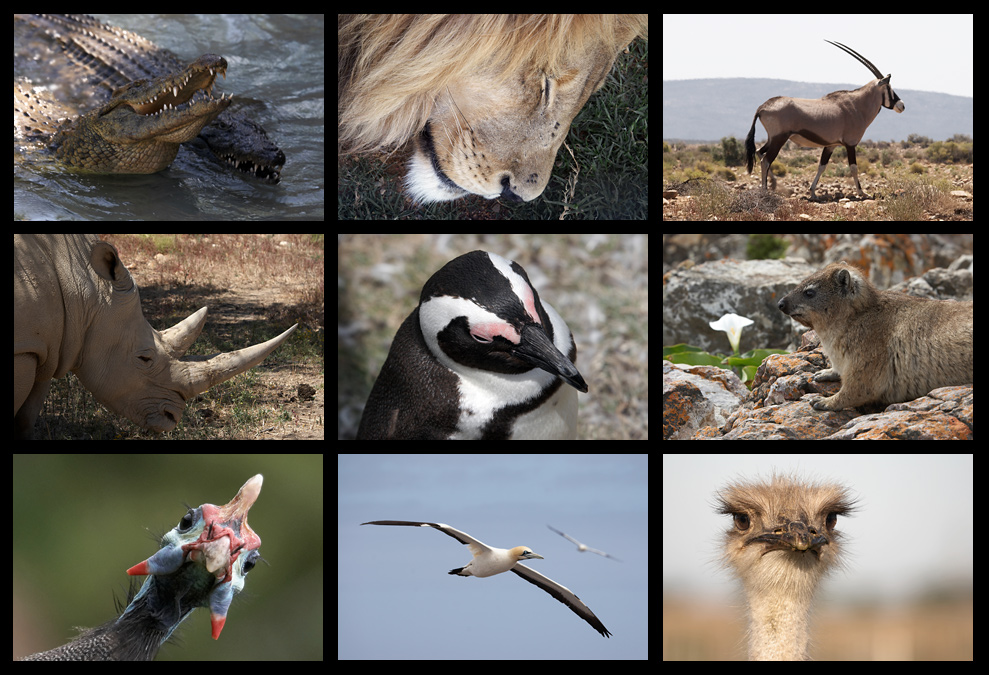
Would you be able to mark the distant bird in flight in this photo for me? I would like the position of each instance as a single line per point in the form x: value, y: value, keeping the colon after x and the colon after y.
x: 582, y: 547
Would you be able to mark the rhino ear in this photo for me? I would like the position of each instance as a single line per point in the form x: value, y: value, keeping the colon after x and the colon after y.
x: 106, y: 263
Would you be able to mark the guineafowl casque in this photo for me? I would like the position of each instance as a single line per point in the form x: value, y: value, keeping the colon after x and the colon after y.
x: 202, y: 562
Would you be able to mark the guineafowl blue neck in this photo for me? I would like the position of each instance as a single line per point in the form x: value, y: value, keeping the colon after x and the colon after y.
x: 160, y: 606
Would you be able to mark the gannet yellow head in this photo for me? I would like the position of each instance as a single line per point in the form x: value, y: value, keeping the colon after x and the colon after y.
x: 524, y: 553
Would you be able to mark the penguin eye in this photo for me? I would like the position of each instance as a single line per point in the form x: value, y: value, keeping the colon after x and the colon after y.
x: 481, y: 338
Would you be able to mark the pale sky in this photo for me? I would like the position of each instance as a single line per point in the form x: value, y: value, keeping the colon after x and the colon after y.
x: 783, y: 46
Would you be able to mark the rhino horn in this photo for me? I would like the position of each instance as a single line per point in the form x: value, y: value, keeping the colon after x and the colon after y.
x: 180, y: 337
x: 202, y: 372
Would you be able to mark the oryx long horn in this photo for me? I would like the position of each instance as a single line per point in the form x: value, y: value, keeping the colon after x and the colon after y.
x: 864, y: 61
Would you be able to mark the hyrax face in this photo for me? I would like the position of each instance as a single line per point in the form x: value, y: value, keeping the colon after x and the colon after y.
x: 887, y: 347
x: 825, y: 298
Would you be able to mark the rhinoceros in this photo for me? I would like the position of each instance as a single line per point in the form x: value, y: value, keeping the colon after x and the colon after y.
x: 77, y: 308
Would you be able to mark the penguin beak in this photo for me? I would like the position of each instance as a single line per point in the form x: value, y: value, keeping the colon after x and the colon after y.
x: 536, y: 348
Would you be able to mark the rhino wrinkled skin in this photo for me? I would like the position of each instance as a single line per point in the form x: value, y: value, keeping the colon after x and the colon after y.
x: 77, y: 308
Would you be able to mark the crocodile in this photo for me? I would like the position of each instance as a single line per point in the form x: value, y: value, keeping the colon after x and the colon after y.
x: 102, y: 54
x: 138, y: 131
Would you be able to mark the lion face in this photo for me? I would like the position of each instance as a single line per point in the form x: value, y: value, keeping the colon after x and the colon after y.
x: 488, y: 98
x: 498, y: 137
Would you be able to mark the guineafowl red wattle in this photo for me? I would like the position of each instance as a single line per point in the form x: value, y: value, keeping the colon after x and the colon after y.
x: 202, y: 562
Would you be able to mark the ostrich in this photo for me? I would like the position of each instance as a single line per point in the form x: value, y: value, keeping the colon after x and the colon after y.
x: 781, y: 544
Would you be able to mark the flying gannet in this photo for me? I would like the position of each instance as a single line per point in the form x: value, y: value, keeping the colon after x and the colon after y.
x: 489, y: 561
x: 582, y: 547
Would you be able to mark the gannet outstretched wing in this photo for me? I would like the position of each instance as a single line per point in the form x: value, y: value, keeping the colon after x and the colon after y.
x: 582, y: 547
x: 489, y: 561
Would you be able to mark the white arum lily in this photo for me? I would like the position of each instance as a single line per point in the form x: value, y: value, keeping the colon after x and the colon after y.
x: 732, y: 324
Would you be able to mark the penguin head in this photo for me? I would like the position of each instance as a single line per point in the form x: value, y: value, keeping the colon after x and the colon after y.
x: 481, y: 318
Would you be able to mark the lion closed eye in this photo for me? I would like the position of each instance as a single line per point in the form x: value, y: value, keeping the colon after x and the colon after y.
x: 488, y: 98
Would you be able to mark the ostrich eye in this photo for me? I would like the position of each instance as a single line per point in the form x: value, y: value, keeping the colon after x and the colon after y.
x: 742, y: 522
x: 831, y: 521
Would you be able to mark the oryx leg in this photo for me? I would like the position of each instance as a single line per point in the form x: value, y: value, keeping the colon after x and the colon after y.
x: 769, y: 152
x: 853, y: 167
x: 825, y: 157
x: 767, y: 172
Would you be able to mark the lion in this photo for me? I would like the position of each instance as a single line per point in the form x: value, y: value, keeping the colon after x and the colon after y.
x: 488, y: 98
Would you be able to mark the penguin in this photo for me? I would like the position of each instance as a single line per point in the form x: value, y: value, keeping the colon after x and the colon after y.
x: 480, y: 358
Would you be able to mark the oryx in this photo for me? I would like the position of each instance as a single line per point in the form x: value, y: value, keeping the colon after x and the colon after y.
x: 840, y: 118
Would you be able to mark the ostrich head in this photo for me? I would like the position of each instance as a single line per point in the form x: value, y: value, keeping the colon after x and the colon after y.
x: 781, y: 543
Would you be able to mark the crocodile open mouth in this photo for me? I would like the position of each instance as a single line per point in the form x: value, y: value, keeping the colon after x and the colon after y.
x: 265, y: 159
x: 266, y: 172
x: 174, y: 91
x: 196, y: 99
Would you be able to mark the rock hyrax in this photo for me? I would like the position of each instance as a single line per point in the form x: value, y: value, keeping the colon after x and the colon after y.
x: 886, y: 346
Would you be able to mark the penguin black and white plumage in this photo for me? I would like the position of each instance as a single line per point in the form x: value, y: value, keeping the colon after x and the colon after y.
x: 480, y: 358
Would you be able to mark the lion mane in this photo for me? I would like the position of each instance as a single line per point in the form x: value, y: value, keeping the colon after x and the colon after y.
x: 487, y: 97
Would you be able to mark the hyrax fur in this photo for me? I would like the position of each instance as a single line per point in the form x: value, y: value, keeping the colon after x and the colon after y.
x: 886, y: 346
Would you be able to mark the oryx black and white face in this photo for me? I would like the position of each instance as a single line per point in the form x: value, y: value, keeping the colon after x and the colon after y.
x: 890, y: 99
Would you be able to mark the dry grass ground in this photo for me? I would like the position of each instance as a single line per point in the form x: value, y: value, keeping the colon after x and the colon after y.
x: 906, y: 185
